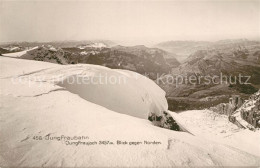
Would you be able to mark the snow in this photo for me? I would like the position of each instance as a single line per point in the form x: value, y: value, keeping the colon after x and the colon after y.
x: 8, y: 66
x: 212, y: 126
x: 82, y: 47
x: 41, y: 107
x: 93, y: 45
x: 53, y: 49
x: 18, y: 54
x: 97, y: 45
x: 14, y: 48
x: 83, y: 53
x: 118, y: 90
x: 89, y: 52
x: 248, y: 106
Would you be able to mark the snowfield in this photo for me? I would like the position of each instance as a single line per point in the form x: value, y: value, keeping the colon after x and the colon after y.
x: 215, y: 127
x: 18, y: 54
x: 38, y: 101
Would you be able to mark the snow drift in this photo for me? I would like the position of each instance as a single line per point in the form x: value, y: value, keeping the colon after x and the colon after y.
x: 121, y: 91
x: 118, y: 90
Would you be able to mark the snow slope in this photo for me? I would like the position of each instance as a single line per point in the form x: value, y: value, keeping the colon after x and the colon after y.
x: 212, y: 126
x: 18, y: 54
x: 118, y: 90
x: 42, y: 108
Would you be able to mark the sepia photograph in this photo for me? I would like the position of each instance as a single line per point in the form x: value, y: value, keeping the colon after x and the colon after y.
x: 129, y: 83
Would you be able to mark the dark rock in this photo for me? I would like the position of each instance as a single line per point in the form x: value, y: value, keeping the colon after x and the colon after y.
x: 164, y: 121
x: 248, y: 113
x: 228, y: 108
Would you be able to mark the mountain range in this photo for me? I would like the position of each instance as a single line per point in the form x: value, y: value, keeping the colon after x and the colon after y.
x: 141, y: 59
x: 229, y: 58
x: 183, y: 49
x: 225, y: 60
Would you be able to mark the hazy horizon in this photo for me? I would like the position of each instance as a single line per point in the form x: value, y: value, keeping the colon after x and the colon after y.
x: 129, y: 22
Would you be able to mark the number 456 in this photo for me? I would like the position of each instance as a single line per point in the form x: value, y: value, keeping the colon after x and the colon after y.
x: 37, y: 137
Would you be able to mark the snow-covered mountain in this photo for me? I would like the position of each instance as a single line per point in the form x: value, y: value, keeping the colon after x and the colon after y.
x: 57, y: 44
x: 147, y: 61
x: 93, y: 46
x: 43, y: 119
x: 20, y: 53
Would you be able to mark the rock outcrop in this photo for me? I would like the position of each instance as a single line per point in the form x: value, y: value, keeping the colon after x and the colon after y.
x: 245, y: 114
x: 228, y: 108
x: 165, y: 121
x: 250, y: 111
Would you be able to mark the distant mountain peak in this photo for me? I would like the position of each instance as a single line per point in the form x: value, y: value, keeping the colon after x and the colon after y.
x: 96, y: 45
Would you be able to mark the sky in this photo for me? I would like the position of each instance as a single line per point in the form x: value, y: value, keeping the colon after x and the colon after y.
x: 131, y: 22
